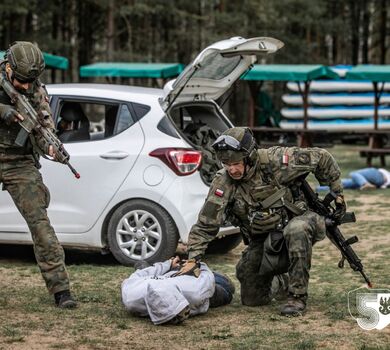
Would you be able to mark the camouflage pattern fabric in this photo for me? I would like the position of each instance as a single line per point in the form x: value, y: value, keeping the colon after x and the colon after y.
x: 22, y: 180
x: 235, y: 200
x: 39, y: 99
x: 24, y: 183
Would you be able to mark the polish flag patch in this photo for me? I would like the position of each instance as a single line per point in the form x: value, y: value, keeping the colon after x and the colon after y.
x: 218, y: 192
x: 285, y: 159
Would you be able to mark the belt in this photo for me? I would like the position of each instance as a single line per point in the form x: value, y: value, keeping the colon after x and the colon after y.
x: 14, y: 151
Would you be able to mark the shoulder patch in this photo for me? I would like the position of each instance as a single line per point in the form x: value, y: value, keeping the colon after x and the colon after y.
x: 302, y: 158
x: 218, y: 192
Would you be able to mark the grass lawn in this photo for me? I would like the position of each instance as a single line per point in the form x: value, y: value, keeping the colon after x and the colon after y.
x: 28, y: 319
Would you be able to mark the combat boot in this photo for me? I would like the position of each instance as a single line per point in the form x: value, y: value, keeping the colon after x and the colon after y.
x: 295, y: 306
x: 64, y: 300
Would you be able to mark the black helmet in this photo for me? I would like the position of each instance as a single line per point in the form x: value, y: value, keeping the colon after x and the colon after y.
x: 26, y: 61
x: 235, y: 144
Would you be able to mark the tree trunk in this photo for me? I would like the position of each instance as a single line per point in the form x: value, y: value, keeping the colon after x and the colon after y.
x: 111, y: 31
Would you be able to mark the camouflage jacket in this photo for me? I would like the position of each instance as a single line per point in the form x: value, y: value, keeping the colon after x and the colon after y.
x: 276, y: 166
x: 39, y: 100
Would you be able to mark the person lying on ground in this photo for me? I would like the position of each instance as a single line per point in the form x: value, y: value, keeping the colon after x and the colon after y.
x: 164, y: 295
x: 364, y: 179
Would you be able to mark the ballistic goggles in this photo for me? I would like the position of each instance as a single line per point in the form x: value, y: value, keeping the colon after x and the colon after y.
x: 228, y: 143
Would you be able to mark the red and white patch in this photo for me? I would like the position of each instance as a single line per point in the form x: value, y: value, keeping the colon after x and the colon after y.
x: 285, y: 159
x: 218, y: 192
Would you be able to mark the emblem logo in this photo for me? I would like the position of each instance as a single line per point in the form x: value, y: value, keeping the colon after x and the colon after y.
x: 370, y: 307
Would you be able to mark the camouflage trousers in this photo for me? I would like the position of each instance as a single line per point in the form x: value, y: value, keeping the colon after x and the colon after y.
x: 24, y: 183
x: 300, y: 234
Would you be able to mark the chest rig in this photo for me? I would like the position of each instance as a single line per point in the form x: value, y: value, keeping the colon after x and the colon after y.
x: 262, y: 205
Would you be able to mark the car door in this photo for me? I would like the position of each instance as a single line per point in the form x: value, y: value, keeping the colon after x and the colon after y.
x: 103, y: 160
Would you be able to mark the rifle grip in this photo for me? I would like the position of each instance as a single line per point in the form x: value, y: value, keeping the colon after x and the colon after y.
x: 21, y: 138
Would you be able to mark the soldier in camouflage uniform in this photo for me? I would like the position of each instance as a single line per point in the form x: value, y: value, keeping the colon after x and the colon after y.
x: 18, y: 168
x: 258, y: 190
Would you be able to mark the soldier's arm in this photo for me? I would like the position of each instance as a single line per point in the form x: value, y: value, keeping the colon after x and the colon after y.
x: 210, y: 218
x: 296, y: 161
x: 5, y: 104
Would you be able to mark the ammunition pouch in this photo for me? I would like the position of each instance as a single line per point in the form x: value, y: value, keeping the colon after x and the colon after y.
x: 265, y: 221
x: 275, y: 255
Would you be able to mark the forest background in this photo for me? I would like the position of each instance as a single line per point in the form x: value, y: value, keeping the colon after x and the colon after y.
x: 326, y: 32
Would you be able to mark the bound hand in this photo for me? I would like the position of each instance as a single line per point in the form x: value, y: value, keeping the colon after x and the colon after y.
x: 175, y: 262
x: 341, y: 209
x: 189, y: 267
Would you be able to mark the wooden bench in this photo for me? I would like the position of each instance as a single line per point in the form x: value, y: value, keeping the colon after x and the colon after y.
x: 370, y: 153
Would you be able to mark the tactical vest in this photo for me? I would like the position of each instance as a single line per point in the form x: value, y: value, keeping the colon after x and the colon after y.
x: 8, y: 133
x: 263, y: 206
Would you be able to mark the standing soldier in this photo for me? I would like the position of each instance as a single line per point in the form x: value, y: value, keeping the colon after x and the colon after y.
x: 19, y: 175
x: 259, y: 191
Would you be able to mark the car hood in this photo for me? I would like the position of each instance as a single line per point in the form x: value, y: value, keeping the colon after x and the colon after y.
x: 216, y: 68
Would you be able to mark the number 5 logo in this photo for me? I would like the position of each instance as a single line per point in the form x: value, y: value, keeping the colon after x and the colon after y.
x: 373, y: 308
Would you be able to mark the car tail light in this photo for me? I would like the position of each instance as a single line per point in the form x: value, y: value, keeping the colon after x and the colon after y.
x: 182, y: 161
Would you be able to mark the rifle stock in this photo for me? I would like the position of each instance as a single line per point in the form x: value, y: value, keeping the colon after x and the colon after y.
x: 324, y: 208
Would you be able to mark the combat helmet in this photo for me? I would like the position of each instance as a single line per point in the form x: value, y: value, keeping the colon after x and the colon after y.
x: 236, y: 144
x: 26, y: 61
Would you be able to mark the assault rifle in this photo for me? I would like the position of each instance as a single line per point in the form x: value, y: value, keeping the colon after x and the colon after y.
x: 31, y: 122
x: 324, y: 208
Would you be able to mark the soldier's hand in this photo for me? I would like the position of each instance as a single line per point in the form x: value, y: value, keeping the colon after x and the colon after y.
x: 12, y: 116
x: 51, y: 152
x: 189, y: 267
x: 341, y: 209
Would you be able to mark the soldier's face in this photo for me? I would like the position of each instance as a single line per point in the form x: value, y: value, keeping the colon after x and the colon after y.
x: 20, y: 86
x: 235, y: 170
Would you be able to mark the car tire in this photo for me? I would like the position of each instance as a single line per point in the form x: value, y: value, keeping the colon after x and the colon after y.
x: 224, y: 244
x: 140, y: 230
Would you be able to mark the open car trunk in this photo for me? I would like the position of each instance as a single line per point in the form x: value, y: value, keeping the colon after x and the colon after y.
x: 200, y: 123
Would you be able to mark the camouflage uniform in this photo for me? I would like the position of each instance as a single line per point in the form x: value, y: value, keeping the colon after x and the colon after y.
x: 274, y: 169
x: 21, y: 178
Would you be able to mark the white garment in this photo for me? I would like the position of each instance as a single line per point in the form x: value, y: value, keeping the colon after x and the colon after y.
x: 386, y: 178
x: 152, y: 291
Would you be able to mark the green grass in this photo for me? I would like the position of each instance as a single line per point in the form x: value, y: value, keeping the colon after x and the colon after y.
x: 28, y: 318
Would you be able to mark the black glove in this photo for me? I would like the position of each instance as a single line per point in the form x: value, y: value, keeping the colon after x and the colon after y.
x: 341, y: 209
x: 10, y: 116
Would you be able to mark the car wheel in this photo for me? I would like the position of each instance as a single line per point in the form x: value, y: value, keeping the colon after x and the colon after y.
x: 224, y: 244
x: 141, y: 230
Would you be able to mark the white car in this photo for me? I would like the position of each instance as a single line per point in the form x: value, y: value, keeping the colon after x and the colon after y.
x: 141, y: 185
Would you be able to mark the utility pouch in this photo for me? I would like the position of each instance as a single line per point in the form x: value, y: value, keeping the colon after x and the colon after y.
x: 265, y: 221
x: 275, y: 255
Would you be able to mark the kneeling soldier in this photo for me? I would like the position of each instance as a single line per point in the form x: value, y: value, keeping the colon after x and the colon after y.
x: 259, y: 191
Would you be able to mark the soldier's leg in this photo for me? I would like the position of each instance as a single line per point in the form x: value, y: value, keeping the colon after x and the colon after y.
x: 24, y: 183
x: 300, y: 234
x: 255, y: 289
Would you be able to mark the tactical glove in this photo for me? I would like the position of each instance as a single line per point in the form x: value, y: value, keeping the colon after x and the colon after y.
x: 341, y: 209
x: 190, y: 267
x: 10, y: 116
